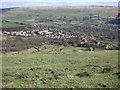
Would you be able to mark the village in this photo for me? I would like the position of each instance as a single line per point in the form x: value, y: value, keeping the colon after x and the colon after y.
x: 57, y: 37
x: 50, y: 34
x: 58, y: 34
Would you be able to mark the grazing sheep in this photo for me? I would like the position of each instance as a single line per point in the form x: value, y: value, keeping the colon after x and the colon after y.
x: 80, y: 50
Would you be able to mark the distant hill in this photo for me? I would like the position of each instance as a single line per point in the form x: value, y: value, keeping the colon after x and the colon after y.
x: 105, y: 3
x: 5, y: 9
x: 29, y: 4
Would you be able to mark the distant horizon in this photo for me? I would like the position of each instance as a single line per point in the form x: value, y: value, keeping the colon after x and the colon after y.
x: 29, y: 4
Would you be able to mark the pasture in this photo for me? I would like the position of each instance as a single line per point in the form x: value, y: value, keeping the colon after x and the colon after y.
x: 60, y: 67
x: 9, y: 25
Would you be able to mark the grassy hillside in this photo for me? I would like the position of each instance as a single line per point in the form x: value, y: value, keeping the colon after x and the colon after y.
x: 55, y: 68
x: 28, y: 14
x: 58, y: 66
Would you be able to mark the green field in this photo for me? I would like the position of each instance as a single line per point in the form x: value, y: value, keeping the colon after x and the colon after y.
x: 31, y: 69
x: 10, y: 25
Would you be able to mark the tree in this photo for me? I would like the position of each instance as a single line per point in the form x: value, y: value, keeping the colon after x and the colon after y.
x: 85, y: 18
x: 91, y: 15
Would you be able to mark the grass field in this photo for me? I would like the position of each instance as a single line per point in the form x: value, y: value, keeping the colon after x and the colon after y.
x: 10, y: 25
x: 52, y: 68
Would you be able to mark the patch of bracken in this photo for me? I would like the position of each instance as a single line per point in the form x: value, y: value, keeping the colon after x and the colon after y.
x: 22, y: 76
x: 84, y: 74
x: 118, y: 74
x: 106, y: 70
x: 34, y: 69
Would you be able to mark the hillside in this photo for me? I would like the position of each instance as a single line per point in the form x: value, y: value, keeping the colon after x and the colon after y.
x: 52, y: 68
x: 60, y: 47
x: 28, y: 14
x: 88, y: 22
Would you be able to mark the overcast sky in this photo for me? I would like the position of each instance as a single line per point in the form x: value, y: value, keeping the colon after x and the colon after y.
x: 60, y: 0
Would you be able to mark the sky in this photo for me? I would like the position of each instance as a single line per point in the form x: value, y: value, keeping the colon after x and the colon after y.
x: 60, y: 0
x: 15, y: 3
